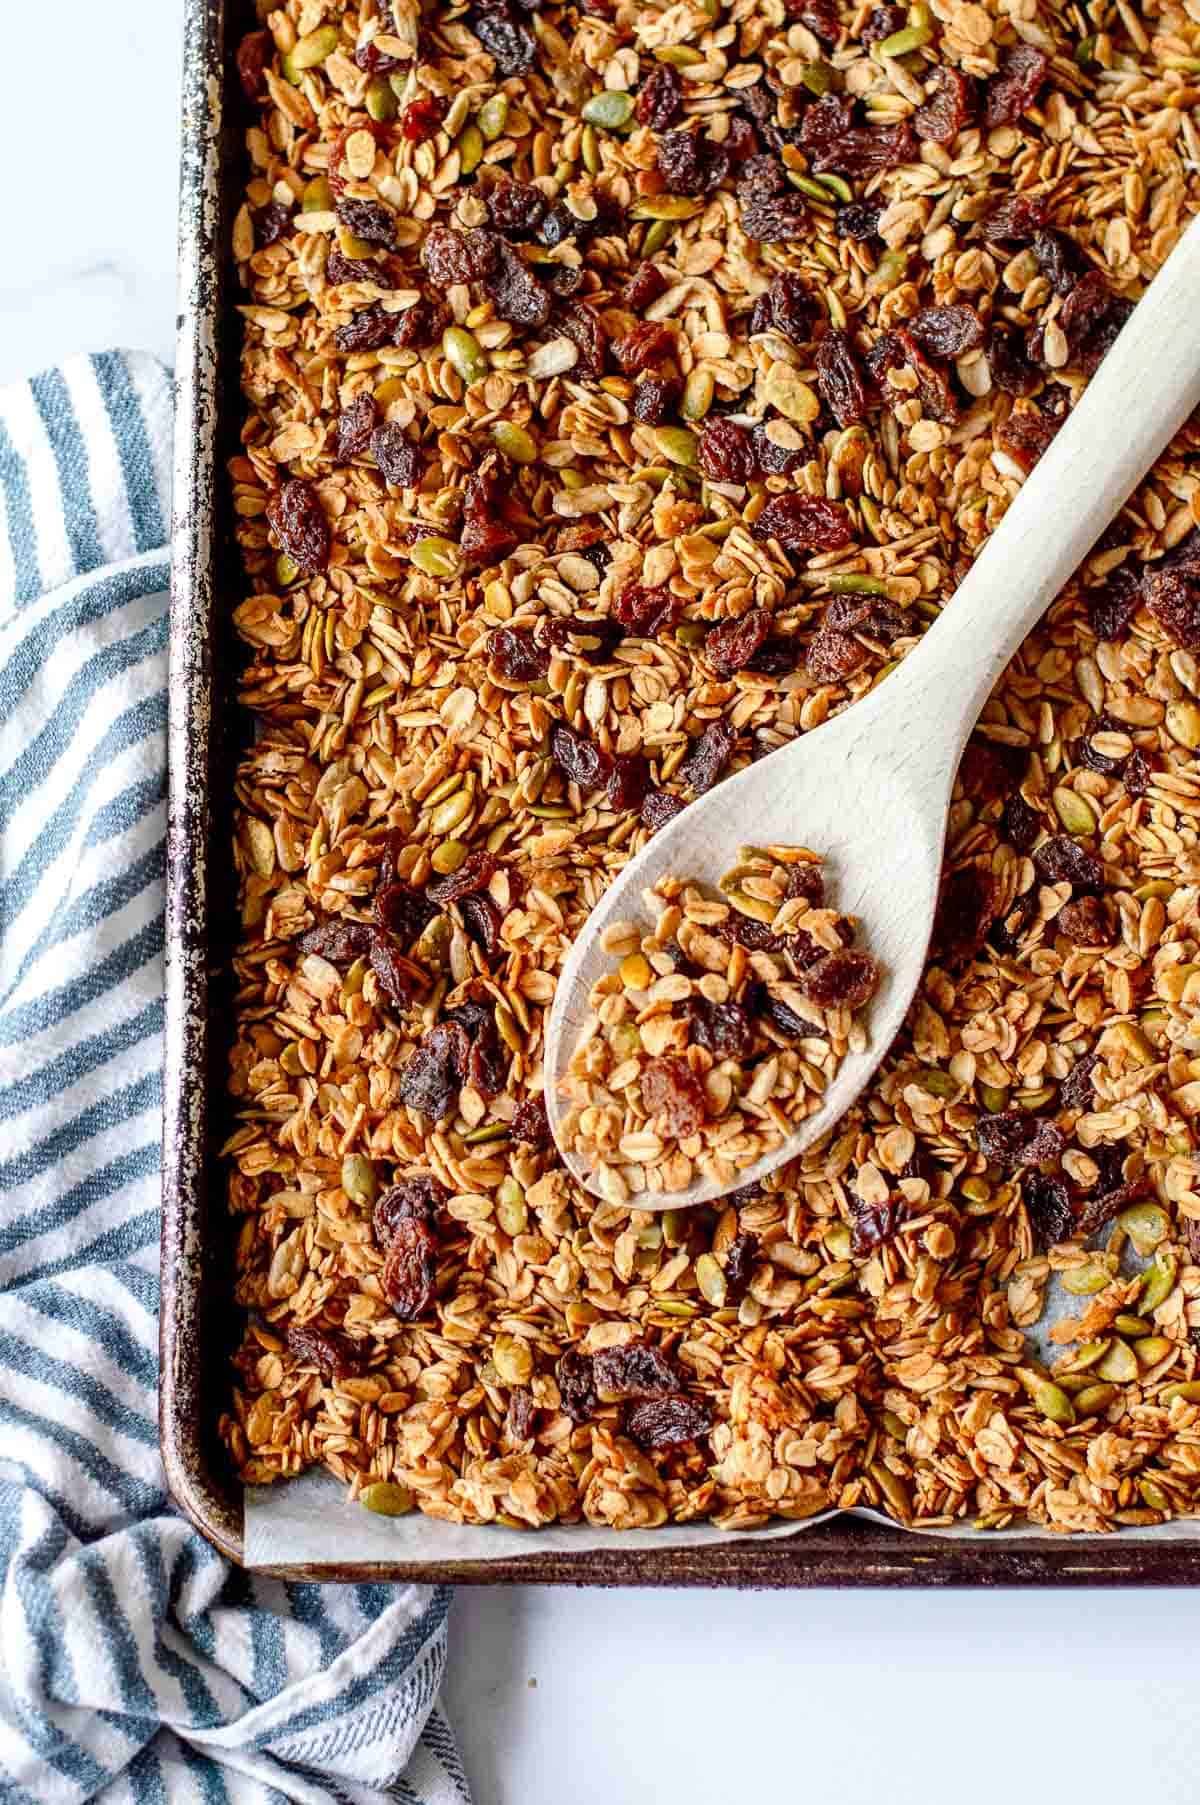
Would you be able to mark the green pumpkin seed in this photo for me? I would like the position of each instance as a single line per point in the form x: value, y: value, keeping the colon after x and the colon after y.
x: 1146, y: 1225
x: 463, y: 350
x: 382, y: 104
x: 895, y: 1425
x: 511, y: 1213
x: 352, y: 983
x: 993, y: 1098
x: 492, y: 117
x: 1054, y: 1403
x: 516, y: 444
x: 386, y: 1499
x: 817, y: 78
x: 609, y: 109
x: 437, y: 557
x: 667, y: 206
x: 314, y: 47
x: 903, y: 42
x: 893, y: 1489
x: 1183, y: 724
x: 1073, y: 811
x: 809, y: 186
x: 452, y: 813
x: 837, y: 1241
x: 680, y: 56
x: 1161, y: 887
x: 1150, y: 1349
x: 491, y: 1131
x: 1188, y: 1390
x: 1127, y: 1324
x: 470, y: 149
x: 627, y: 1042
x: 1085, y: 52
x: 513, y: 1360
x: 676, y: 443
x: 448, y: 856
x: 936, y: 1082
x: 658, y: 236
x: 697, y: 395
x: 794, y: 399
x: 839, y: 186
x: 1084, y: 1281
x: 1158, y: 1281
x: 286, y: 569
x: 358, y: 1179
x: 1153, y: 1494
x: 1119, y: 1364
x: 589, y: 150
x: 691, y: 633
x: 1090, y: 1352
x: 1094, y: 1398
x: 711, y: 1280
x: 856, y: 585
x: 1031, y: 1100
x: 318, y: 196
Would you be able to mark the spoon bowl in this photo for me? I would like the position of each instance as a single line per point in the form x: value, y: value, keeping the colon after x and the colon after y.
x: 868, y: 791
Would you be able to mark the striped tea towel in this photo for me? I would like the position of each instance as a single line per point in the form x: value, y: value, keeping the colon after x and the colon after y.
x: 135, y: 1664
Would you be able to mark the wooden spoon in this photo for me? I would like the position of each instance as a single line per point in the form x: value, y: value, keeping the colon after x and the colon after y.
x: 870, y: 789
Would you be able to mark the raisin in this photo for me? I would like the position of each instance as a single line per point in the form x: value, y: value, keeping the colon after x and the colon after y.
x: 646, y: 612
x: 947, y: 108
x: 645, y: 285
x: 337, y: 941
x: 431, y: 1080
x: 515, y: 656
x: 786, y: 307
x: 664, y: 1422
x: 1083, y: 922
x: 661, y: 98
x: 596, y: 639
x: 1098, y: 1210
x: 558, y: 223
x: 821, y: 17
x: 355, y: 425
x: 520, y: 1417
x: 298, y: 522
x: 839, y: 378
x: 1010, y: 367
x: 832, y: 141
x: 253, y: 54
x: 858, y: 220
x: 726, y: 452
x: 807, y: 881
x: 1062, y: 860
x: 418, y: 1197
x: 339, y: 268
x: 645, y: 347
x: 671, y: 1089
x: 487, y: 1061
x: 576, y: 1378
x: 579, y: 323
x: 770, y: 209
x: 422, y: 117
x: 511, y: 45
x: 1185, y: 556
x: 579, y: 759
x: 397, y: 457
x: 1018, y: 823
x: 1058, y: 259
x: 481, y: 919
x: 843, y: 980
x: 1025, y: 436
x: 1006, y: 931
x: 1016, y: 1140
x: 369, y: 220
x: 485, y: 537
x: 325, y: 1349
x: 366, y: 330
x: 865, y: 614
x: 374, y: 61
x: 898, y: 350
x: 690, y: 164
x: 804, y: 523
x: 984, y: 772
x: 770, y: 457
x: 654, y: 398
x: 1017, y: 219
x: 1048, y: 1206
x: 831, y: 656
x: 1078, y: 1089
x: 271, y: 224
x: 659, y: 807
x: 517, y: 295
x: 1089, y: 300
x: 948, y: 331
x: 966, y: 910
x: 515, y: 208
x: 1112, y: 605
x: 731, y: 646
x: 1015, y: 85
x: 636, y: 1370
x: 722, y: 1029
x: 1137, y: 773
x: 531, y: 1123
x: 1088, y: 756
x: 628, y: 782
x: 708, y: 757
x: 471, y: 1016
x: 396, y: 977
x: 881, y: 22
x: 873, y: 1225
x: 473, y: 875
x: 403, y: 911
x: 1174, y: 602
x: 409, y: 1275
x: 451, y: 256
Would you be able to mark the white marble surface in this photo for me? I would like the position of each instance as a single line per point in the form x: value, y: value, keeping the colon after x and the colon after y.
x: 621, y: 1697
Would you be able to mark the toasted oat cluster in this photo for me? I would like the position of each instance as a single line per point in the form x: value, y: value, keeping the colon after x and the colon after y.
x: 718, y: 1031
x: 627, y: 386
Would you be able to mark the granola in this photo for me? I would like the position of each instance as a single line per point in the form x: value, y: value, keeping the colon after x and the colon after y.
x: 575, y: 338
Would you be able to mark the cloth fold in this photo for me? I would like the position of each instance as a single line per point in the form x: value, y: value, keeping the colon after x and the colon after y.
x: 135, y: 1664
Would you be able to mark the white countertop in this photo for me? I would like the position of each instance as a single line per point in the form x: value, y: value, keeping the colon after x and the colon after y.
x: 615, y: 1698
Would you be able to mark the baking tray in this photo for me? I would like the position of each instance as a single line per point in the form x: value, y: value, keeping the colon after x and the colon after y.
x: 196, y: 1319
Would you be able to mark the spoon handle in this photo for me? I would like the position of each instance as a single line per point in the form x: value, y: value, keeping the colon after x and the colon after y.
x: 1138, y: 399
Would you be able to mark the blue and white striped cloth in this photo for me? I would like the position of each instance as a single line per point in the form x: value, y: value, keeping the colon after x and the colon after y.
x: 135, y: 1664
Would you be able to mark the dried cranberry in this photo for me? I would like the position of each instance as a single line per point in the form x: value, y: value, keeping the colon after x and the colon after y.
x: 1017, y: 218
x: 646, y: 612
x: 1015, y: 85
x: 858, y: 220
x: 628, y: 782
x: 271, y: 224
x: 451, y: 256
x: 731, y: 646
x: 804, y: 523
x: 670, y: 1089
x: 402, y: 910
x: 882, y: 22
x: 515, y: 656
x: 708, y: 757
x: 397, y: 457
x: 1010, y: 367
x: 831, y: 656
x: 839, y: 378
x: 966, y: 910
x: 665, y: 1422
x: 298, y: 522
x: 843, y: 980
x: 661, y: 98
x: 1060, y: 859
x: 366, y: 330
x: 1018, y: 823
x: 873, y: 1225
x: 648, y: 345
x: 654, y: 398
x: 1112, y: 605
x: 947, y: 331
x: 368, y: 220
x: 725, y: 452
x: 1048, y: 1206
x: 431, y: 1080
x: 1084, y: 923
x: 515, y: 208
x: 579, y: 759
x: 1078, y: 1089
x: 580, y: 324
x: 637, y: 1370
x: 517, y: 295
x: 576, y: 1378
x: 418, y: 1198
x: 948, y: 106
x: 253, y: 54
x: 409, y: 1276
x: 337, y: 941
x: 481, y: 919
x: 1174, y: 602
x: 645, y: 285
x: 325, y: 1349
x: 786, y: 307
x: 659, y: 807
x: 1015, y: 1140
x: 422, y: 117
x: 355, y: 425
x: 511, y: 45
x: 474, y: 874
x: 531, y: 1123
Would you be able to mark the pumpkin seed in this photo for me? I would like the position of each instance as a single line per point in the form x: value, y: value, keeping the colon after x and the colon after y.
x: 893, y: 1489
x: 448, y: 856
x: 1158, y: 1280
x: 1127, y: 1324
x: 491, y: 1131
x: 437, y: 557
x: 992, y: 1098
x: 817, y: 78
x: 382, y: 104
x: 697, y: 395
x: 1153, y: 1494
x: 314, y: 47
x: 1083, y: 1281
x: 895, y: 1425
x: 808, y: 185
x: 680, y: 56
x: 839, y: 186
x: 517, y: 445
x: 903, y: 42
x: 492, y: 117
x: 464, y: 352
x: 453, y: 812
x: 856, y: 585
x: 1094, y: 1398
x: 711, y: 1280
x: 386, y: 1499
x: 1146, y: 1225
x: 1150, y: 1349
x: 358, y: 1179
x: 511, y: 1213
x: 1054, y: 1403
x: 1188, y: 1390
x: 676, y: 443
x: 627, y: 1042
x: 794, y: 399
x: 609, y: 109
x: 1183, y: 724
x: 837, y: 1241
x: 1073, y: 811
x: 1119, y: 1364
x: 318, y: 196
x: 470, y: 149
x: 667, y: 206
x: 658, y: 236
x: 936, y: 1082
x: 1089, y: 1353
x: 286, y: 569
